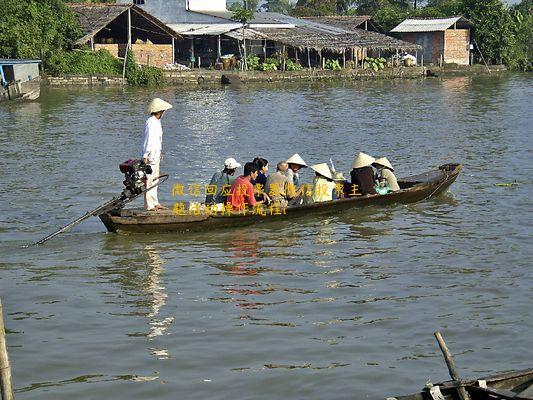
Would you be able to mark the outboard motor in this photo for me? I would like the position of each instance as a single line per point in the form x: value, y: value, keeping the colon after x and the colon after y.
x: 135, y: 172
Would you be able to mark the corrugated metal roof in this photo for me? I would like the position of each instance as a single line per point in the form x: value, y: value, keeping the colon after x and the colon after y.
x: 426, y: 25
x: 204, y: 29
x: 341, y: 21
x: 8, y: 61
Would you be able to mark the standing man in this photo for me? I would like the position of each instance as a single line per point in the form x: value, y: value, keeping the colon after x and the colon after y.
x: 151, y: 150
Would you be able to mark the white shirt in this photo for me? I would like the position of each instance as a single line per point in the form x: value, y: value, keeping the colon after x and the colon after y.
x: 391, y: 179
x: 152, y: 140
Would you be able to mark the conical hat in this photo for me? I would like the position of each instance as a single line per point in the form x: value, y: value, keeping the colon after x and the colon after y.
x: 322, y: 169
x: 158, y: 105
x: 384, y: 162
x: 362, y: 160
x: 296, y: 159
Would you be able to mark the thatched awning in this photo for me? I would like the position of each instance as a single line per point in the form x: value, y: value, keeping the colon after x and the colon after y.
x: 93, y: 17
x: 302, y: 38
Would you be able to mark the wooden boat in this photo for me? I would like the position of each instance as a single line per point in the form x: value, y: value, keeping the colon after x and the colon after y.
x: 20, y: 79
x: 413, y: 189
x: 517, y: 385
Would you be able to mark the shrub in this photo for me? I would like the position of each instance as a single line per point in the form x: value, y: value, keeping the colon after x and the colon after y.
x: 142, y: 74
x: 253, y: 62
x: 80, y: 62
x: 375, y: 64
x: 292, y: 66
x: 333, y: 65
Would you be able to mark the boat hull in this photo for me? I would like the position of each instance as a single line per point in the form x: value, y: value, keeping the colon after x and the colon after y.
x: 415, y: 188
x: 517, y: 385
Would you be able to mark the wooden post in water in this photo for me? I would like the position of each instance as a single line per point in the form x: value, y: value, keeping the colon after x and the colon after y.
x: 344, y: 58
x: 5, y: 369
x: 463, y: 394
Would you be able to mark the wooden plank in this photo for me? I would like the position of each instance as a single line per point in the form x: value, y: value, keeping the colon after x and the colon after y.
x: 5, y: 368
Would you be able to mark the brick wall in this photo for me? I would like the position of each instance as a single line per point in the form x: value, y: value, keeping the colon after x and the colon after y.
x: 156, y: 55
x: 456, y: 51
x: 112, y: 48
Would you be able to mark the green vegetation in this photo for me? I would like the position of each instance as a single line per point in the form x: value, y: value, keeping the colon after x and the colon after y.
x: 242, y: 15
x: 253, y: 62
x: 504, y: 34
x: 271, y: 64
x: 292, y: 66
x: 142, y: 74
x: 78, y: 62
x: 47, y: 29
x: 251, y: 5
x: 333, y: 65
x: 42, y: 29
x: 279, y: 6
x: 375, y: 64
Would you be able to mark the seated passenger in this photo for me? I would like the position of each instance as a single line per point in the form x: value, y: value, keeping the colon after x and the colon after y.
x: 382, y: 187
x: 222, y: 180
x: 279, y: 187
x: 242, y: 191
x: 262, y: 168
x: 363, y: 175
x: 385, y: 171
x: 323, y: 184
x: 295, y: 164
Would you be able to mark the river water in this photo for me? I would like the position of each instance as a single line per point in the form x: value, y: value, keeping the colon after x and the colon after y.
x: 334, y: 307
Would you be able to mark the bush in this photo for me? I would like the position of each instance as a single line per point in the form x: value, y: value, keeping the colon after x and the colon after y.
x: 80, y: 62
x: 333, y: 65
x: 42, y: 29
x: 253, y: 63
x: 292, y: 66
x: 142, y: 74
x: 375, y: 64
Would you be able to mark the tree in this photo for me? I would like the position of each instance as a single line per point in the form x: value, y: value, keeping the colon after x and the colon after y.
x: 248, y: 4
x: 279, y: 6
x: 493, y: 28
x: 447, y: 7
x: 243, y: 16
x: 311, y: 8
x: 522, y: 15
x: 36, y: 29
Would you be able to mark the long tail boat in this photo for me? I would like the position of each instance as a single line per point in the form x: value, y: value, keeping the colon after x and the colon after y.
x: 517, y: 385
x: 412, y: 189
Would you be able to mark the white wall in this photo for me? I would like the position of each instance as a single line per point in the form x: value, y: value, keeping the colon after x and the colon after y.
x: 207, y: 5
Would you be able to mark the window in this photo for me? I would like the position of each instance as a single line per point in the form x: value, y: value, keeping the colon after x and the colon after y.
x: 138, y: 2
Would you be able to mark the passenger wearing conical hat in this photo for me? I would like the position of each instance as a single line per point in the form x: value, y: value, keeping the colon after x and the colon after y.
x: 151, y: 152
x: 296, y: 163
x: 362, y: 174
x: 386, y: 172
x: 323, y: 184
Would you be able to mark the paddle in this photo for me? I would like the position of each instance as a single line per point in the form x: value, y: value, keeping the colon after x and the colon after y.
x: 463, y: 394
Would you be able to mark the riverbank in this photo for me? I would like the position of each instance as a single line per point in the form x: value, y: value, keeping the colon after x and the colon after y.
x: 207, y: 76
x: 465, y: 70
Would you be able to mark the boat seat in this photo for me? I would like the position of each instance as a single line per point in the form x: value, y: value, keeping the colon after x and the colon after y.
x: 527, y: 393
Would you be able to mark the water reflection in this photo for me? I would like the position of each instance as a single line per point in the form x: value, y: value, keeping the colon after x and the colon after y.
x: 140, y: 273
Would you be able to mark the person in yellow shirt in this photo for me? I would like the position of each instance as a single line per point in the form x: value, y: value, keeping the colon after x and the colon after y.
x: 323, y: 184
